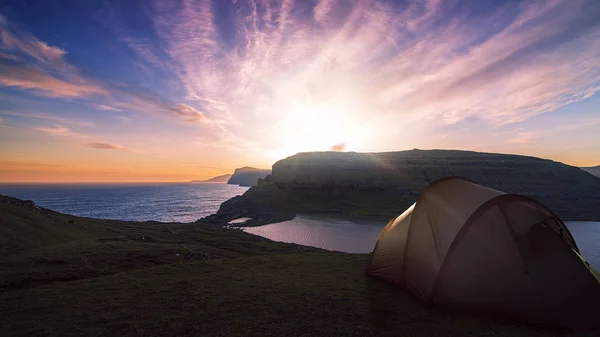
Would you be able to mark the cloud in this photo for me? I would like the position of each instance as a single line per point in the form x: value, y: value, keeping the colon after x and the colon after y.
x: 259, y: 72
x: 106, y: 107
x: 48, y: 117
x: 28, y: 45
x: 30, y: 78
x: 123, y: 119
x: 20, y: 166
x: 61, y: 131
x: 378, y: 63
x: 524, y: 137
x: 30, y: 64
x: 340, y: 147
x: 105, y: 146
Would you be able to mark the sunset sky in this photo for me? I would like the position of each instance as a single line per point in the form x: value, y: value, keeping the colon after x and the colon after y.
x: 160, y: 90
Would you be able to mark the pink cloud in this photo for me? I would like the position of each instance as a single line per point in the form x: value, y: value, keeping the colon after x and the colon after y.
x: 106, y: 146
x: 49, y: 117
x: 28, y: 45
x: 106, y: 107
x: 44, y: 83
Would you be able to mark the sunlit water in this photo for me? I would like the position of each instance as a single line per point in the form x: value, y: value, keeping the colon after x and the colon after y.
x: 168, y: 202
x: 352, y: 237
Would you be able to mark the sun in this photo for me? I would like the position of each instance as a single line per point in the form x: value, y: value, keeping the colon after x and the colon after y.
x: 315, y: 126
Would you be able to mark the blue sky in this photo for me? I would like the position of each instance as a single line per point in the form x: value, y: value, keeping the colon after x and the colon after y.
x: 177, y: 90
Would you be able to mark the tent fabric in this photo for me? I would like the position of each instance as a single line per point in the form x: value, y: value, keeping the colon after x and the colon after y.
x: 466, y: 245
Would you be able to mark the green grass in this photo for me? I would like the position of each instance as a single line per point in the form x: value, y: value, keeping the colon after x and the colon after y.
x: 117, y: 278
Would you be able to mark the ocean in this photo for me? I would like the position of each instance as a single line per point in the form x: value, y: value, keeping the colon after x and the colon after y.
x: 167, y: 202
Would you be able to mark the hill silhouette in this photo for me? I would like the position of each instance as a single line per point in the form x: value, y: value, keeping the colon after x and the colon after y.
x: 384, y: 184
x: 218, y: 179
x: 247, y: 176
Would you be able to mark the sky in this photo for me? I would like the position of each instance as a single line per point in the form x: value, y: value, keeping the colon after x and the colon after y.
x: 161, y: 90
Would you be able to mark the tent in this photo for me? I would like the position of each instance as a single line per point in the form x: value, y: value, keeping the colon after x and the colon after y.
x: 472, y: 247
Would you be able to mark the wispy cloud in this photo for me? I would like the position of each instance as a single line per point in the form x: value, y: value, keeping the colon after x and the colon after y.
x: 28, y: 45
x: 26, y: 77
x: 106, y: 146
x: 253, y: 73
x: 370, y: 60
x: 30, y: 64
x: 524, y: 137
x: 61, y: 131
x: 106, y: 107
x: 49, y: 117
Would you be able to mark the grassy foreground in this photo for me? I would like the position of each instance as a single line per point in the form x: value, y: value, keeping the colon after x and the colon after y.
x: 62, y: 275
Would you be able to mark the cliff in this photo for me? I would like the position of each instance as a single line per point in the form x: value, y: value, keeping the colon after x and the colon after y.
x: 383, y: 185
x: 218, y: 179
x: 247, y: 176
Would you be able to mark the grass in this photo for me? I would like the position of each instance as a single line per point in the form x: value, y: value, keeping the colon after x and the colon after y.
x: 156, y: 279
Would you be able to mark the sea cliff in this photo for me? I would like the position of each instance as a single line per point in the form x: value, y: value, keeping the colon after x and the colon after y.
x: 382, y: 185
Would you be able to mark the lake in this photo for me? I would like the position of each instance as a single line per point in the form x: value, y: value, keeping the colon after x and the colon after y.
x: 168, y: 202
x: 352, y: 237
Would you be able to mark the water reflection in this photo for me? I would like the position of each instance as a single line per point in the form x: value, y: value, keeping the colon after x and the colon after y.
x: 352, y: 237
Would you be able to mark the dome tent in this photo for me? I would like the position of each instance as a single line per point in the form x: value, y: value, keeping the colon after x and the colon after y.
x: 465, y: 245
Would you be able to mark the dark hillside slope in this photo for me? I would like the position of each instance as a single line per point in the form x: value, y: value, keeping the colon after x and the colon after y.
x: 385, y: 184
x: 24, y: 225
x: 171, y: 279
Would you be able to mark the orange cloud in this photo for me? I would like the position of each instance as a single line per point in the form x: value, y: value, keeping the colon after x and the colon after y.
x: 340, y: 147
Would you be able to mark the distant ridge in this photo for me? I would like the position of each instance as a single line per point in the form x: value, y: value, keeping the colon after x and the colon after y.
x: 384, y: 184
x: 247, y: 176
x: 595, y: 170
x: 218, y: 179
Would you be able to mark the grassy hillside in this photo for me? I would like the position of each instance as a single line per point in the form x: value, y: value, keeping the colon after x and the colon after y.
x: 385, y: 184
x: 158, y: 279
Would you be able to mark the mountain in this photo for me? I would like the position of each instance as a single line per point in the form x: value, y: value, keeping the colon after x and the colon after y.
x: 383, y: 185
x: 247, y: 176
x: 218, y: 179
x: 595, y: 170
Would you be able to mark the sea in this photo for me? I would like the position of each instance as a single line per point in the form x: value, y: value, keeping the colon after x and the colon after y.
x: 188, y: 202
x: 165, y: 202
